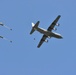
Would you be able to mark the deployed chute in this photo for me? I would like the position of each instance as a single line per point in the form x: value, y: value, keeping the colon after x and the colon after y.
x: 1, y: 24
x: 5, y: 39
x: 1, y: 37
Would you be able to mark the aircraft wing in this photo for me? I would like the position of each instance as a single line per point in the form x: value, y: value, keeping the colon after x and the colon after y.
x: 50, y: 28
x: 42, y: 40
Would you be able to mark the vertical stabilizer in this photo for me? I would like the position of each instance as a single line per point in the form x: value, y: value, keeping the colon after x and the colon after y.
x: 34, y: 26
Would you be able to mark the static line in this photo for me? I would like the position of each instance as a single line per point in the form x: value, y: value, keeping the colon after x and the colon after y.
x: 7, y: 39
x: 7, y: 27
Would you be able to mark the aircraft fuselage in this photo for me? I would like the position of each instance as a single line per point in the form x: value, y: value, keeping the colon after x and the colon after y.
x: 48, y: 33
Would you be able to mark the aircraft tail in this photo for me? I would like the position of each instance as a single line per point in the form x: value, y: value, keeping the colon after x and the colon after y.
x: 34, y: 27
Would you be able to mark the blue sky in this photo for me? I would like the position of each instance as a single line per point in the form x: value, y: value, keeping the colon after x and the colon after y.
x: 22, y: 57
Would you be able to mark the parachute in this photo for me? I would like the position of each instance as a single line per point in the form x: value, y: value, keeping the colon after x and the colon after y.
x: 5, y: 39
x: 1, y: 24
x: 5, y: 26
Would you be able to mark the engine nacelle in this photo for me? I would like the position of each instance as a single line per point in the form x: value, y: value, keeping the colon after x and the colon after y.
x: 46, y: 41
x: 57, y: 24
x: 54, y: 29
x: 49, y: 37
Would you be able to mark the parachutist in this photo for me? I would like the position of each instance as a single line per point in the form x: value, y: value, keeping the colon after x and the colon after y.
x: 10, y: 29
x: 1, y: 24
x: 5, y: 26
x: 11, y: 41
x: 34, y: 38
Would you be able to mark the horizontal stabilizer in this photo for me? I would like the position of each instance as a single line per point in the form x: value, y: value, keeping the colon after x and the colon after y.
x: 36, y: 25
x: 32, y: 30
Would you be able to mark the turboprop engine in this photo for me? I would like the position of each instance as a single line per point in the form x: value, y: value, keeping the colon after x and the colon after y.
x: 46, y: 41
x: 57, y: 24
x: 54, y: 29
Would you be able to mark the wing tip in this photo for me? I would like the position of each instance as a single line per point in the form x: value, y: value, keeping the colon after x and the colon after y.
x: 38, y: 46
x: 59, y: 15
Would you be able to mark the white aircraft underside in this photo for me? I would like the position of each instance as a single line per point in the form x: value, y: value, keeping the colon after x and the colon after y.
x: 46, y: 33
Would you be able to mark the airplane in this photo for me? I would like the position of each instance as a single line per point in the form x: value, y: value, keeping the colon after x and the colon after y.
x: 47, y: 33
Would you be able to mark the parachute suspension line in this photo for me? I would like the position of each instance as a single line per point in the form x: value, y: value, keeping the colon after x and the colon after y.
x: 7, y: 27
x: 7, y: 39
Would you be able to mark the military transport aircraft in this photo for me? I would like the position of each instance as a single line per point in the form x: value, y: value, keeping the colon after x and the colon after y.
x: 46, y: 33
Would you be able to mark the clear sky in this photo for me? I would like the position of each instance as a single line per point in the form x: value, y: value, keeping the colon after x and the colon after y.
x: 22, y: 57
